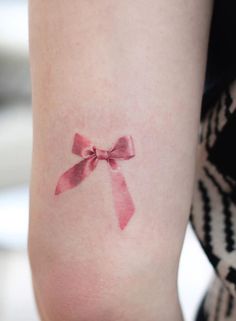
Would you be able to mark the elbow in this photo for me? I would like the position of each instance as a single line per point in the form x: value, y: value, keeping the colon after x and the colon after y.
x: 74, y: 293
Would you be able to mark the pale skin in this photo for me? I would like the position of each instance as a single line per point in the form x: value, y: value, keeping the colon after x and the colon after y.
x: 106, y: 69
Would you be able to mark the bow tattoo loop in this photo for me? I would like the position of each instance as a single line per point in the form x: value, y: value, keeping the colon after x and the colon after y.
x: 123, y: 149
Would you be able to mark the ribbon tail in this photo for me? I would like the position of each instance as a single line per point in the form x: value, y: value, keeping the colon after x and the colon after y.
x: 75, y: 175
x: 123, y: 202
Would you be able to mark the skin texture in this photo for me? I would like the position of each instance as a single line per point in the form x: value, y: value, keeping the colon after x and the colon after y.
x: 106, y: 69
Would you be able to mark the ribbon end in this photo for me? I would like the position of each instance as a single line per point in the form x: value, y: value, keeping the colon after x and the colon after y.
x: 123, y: 202
x: 123, y: 225
x: 125, y: 218
x: 63, y: 184
x: 57, y: 190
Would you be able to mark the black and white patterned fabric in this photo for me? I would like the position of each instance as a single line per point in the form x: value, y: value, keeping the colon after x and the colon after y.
x: 213, y: 210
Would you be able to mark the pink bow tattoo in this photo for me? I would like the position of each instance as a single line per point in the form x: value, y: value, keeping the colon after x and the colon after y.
x: 123, y: 149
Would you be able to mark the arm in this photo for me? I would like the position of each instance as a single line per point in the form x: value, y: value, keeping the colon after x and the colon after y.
x: 107, y: 69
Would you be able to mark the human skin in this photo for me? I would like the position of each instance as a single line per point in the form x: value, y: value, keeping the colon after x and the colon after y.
x: 107, y: 69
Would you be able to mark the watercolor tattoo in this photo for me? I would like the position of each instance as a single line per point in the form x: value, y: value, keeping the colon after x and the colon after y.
x: 123, y: 149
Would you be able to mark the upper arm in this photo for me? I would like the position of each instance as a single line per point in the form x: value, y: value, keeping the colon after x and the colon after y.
x: 106, y: 69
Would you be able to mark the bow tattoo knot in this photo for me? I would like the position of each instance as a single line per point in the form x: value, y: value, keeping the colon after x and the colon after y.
x: 123, y: 149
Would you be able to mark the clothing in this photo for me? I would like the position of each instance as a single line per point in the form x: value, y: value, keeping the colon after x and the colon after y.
x: 213, y: 209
